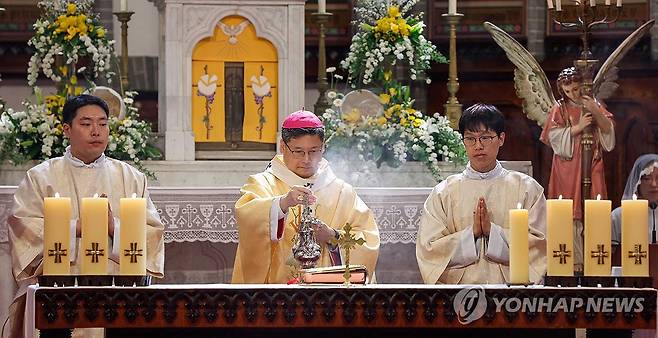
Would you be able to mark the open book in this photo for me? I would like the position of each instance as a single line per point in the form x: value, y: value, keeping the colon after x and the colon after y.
x: 334, y: 275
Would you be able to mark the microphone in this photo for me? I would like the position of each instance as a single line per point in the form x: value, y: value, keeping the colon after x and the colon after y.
x: 653, y: 206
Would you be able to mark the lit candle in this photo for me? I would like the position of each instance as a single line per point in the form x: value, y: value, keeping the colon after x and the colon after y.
x: 94, y: 213
x: 597, y: 237
x: 452, y: 7
x: 607, y: 2
x: 559, y: 237
x: 558, y: 5
x: 56, y: 235
x: 634, y: 237
x: 322, y: 6
x: 550, y: 4
x: 618, y: 3
x: 124, y: 5
x: 132, y: 241
x: 518, y: 246
x: 592, y: 3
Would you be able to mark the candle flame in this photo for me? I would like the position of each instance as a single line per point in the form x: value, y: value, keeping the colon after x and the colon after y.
x: 518, y: 205
x: 559, y: 197
x: 96, y: 195
x: 56, y: 195
x: 634, y: 197
x: 134, y: 195
x: 598, y: 197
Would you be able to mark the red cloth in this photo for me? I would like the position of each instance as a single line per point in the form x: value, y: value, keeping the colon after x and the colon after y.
x: 566, y: 176
x: 302, y: 119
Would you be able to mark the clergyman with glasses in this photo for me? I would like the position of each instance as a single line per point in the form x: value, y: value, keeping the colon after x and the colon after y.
x: 464, y: 230
x: 270, y: 206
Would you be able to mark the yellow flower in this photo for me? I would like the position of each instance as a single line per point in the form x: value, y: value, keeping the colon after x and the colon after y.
x: 382, y: 120
x: 74, y: 80
x: 404, y: 122
x: 384, y: 98
x: 353, y: 116
x: 387, y: 75
x: 395, y: 28
x: 79, y: 90
x: 393, y: 91
x: 417, y: 123
x: 393, y: 11
x: 100, y: 32
x: 71, y: 8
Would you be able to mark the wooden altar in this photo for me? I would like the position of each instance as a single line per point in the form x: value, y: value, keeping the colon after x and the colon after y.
x: 358, y: 311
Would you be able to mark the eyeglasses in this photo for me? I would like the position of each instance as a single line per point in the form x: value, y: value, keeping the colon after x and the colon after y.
x: 301, y: 154
x: 484, y: 140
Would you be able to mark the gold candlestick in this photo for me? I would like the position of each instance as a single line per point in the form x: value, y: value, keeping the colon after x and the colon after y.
x: 322, y: 103
x: 124, y: 17
x: 453, y: 109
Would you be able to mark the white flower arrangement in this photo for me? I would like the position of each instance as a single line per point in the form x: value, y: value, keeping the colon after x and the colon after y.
x: 66, y: 32
x: 388, y: 35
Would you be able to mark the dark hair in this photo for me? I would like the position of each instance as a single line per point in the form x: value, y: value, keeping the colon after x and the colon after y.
x: 482, y: 114
x: 566, y: 77
x: 288, y: 134
x: 73, y: 104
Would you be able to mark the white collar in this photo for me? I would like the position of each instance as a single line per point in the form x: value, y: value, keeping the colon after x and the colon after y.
x: 76, y: 162
x: 473, y: 174
x: 323, y: 177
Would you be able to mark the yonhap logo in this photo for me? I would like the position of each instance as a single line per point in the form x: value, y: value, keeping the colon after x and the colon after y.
x: 470, y: 304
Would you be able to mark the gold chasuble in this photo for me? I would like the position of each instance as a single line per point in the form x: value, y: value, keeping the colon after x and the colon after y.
x: 260, y: 259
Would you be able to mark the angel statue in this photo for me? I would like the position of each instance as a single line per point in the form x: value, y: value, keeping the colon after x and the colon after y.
x: 564, y: 120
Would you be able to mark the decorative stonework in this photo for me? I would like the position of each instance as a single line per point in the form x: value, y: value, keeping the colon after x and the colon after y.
x: 186, y: 22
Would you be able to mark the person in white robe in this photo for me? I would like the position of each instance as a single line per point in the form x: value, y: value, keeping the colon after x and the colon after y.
x: 463, y: 236
x: 83, y: 171
x: 270, y: 206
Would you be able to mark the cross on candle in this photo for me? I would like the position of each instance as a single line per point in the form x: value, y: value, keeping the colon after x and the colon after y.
x: 133, y: 252
x: 58, y: 252
x: 600, y: 253
x: 637, y: 254
x: 95, y: 252
x: 563, y: 253
x: 347, y: 242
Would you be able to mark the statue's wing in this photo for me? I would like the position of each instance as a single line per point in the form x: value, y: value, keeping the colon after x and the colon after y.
x: 604, y: 84
x: 530, y: 81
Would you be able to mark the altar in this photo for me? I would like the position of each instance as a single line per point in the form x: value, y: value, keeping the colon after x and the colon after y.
x: 357, y: 311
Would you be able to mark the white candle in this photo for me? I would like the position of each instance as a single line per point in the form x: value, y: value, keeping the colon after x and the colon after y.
x: 124, y: 5
x: 94, y: 212
x: 634, y: 238
x: 558, y: 5
x: 559, y: 236
x: 550, y: 4
x: 592, y: 3
x: 132, y: 212
x: 56, y: 235
x: 618, y: 3
x: 518, y: 246
x: 322, y: 6
x: 597, y: 237
x: 452, y: 7
x: 607, y: 2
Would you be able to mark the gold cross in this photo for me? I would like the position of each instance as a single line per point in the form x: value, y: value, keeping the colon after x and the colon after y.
x: 562, y: 253
x: 94, y: 252
x: 637, y: 254
x: 133, y: 252
x: 347, y: 242
x: 600, y: 253
x: 58, y: 252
